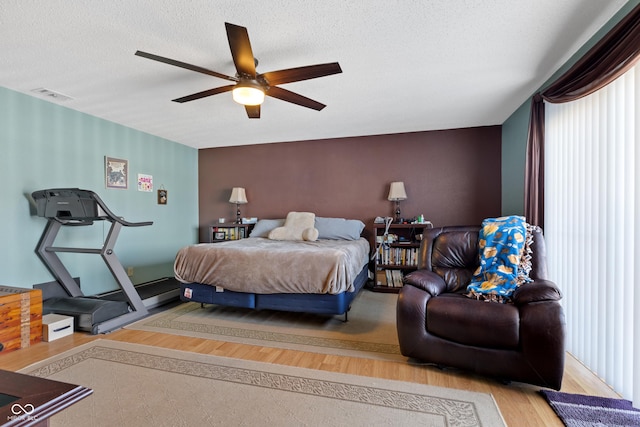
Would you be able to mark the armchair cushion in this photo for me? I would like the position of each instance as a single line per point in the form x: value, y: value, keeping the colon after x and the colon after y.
x: 457, y: 318
x: 454, y: 256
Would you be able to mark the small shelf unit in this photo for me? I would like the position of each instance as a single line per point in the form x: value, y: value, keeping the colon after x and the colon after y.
x: 397, y: 248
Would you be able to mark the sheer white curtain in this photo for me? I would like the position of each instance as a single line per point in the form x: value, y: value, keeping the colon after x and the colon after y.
x: 592, y: 204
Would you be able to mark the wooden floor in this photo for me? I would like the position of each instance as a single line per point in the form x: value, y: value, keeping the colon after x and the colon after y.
x: 520, y: 404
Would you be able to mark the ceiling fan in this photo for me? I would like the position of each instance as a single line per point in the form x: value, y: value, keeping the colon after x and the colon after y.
x: 250, y: 87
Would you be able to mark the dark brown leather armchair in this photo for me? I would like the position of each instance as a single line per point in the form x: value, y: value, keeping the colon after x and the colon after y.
x: 437, y: 323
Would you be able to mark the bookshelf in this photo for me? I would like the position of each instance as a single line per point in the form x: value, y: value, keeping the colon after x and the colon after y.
x: 396, y: 253
x: 225, y: 232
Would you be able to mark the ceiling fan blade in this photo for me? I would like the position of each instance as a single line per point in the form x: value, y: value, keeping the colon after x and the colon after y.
x: 302, y: 73
x: 204, y: 94
x: 184, y: 65
x: 287, y: 95
x: 253, y: 111
x: 241, y: 50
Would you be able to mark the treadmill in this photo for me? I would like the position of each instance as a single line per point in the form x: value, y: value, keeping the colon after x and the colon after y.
x: 73, y: 207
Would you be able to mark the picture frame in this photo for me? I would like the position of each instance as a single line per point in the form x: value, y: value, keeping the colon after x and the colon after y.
x: 145, y: 182
x: 220, y: 235
x: 162, y: 196
x: 116, y: 173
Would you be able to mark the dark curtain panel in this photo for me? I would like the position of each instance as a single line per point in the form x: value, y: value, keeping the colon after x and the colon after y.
x: 615, y: 54
x: 534, y: 165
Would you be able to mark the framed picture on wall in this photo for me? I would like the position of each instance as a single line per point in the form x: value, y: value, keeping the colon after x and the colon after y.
x: 162, y: 196
x: 116, y: 172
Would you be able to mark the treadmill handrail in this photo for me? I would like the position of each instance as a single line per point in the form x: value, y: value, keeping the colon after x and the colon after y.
x: 113, y: 216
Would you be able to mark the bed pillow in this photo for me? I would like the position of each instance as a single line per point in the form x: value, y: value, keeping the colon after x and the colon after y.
x: 264, y: 226
x: 339, y: 228
x: 297, y: 226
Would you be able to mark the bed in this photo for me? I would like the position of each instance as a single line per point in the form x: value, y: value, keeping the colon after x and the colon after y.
x: 319, y: 275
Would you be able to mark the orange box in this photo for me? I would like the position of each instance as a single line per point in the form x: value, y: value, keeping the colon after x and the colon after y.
x: 20, y: 318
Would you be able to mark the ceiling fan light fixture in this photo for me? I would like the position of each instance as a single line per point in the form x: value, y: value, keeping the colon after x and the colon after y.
x: 250, y: 87
x: 248, y: 94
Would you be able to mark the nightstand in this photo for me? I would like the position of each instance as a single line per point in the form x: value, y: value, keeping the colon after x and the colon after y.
x: 396, y: 254
x: 225, y: 232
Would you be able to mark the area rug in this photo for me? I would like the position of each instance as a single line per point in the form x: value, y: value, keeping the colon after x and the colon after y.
x: 142, y: 385
x: 578, y: 410
x: 370, y: 331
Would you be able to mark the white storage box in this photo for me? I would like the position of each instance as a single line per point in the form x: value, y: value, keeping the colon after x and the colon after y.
x: 56, y: 326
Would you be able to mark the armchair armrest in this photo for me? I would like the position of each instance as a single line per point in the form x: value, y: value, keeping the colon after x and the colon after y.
x: 536, y: 291
x: 426, y: 280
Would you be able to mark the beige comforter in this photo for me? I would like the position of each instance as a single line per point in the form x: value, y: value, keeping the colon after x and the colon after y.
x: 259, y: 265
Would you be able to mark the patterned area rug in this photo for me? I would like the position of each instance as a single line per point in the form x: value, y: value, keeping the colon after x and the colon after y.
x: 578, y: 410
x: 370, y: 331
x: 149, y: 386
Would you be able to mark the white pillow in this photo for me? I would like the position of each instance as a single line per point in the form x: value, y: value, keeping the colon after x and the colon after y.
x: 297, y: 226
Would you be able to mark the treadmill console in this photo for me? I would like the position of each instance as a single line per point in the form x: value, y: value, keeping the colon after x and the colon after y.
x: 68, y: 204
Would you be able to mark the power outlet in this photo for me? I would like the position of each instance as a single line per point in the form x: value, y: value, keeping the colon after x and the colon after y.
x: 130, y: 271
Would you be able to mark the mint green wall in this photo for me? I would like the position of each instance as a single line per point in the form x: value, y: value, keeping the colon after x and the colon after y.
x: 45, y: 145
x: 514, y: 134
x: 515, y: 128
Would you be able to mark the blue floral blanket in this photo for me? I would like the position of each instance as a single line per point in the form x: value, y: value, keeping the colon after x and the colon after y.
x: 501, y: 245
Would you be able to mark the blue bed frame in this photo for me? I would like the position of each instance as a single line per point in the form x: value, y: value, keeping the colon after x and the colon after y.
x: 330, y: 304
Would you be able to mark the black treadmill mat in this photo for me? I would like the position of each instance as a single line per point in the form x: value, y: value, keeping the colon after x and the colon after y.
x: 147, y: 290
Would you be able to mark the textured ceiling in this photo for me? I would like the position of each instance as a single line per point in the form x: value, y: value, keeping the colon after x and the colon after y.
x: 407, y: 65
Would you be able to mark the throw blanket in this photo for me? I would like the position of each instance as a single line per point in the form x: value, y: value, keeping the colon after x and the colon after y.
x: 501, y: 243
x: 264, y: 266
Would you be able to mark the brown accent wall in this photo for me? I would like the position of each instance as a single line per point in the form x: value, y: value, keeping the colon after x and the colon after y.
x: 452, y: 177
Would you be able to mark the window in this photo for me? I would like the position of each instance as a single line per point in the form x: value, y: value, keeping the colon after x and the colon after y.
x: 592, y: 204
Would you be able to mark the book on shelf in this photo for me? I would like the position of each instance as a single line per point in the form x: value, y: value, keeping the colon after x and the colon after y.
x: 390, y: 277
x: 398, y: 276
x: 397, y: 256
x: 228, y: 232
x: 381, y: 278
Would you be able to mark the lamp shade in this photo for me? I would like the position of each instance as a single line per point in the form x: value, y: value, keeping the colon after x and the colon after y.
x: 238, y: 196
x: 396, y: 191
x: 248, y: 94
